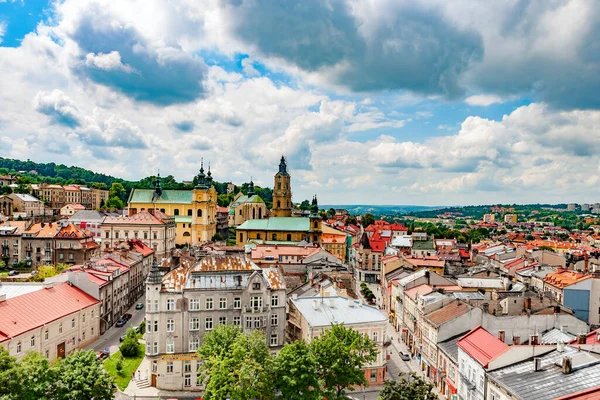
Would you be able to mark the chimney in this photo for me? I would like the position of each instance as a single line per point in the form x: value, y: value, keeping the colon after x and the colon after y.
x: 556, y: 309
x: 468, y: 299
x: 350, y: 302
x: 516, y: 340
x: 315, y: 304
x: 581, y: 339
x: 501, y: 335
x: 537, y: 364
x: 528, y: 303
x: 534, y: 339
x: 331, y: 302
x: 560, y: 347
x: 567, y: 366
x: 2, y: 298
x: 563, y: 328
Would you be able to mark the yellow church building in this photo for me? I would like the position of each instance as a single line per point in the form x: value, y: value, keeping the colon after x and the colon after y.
x: 281, y: 227
x: 195, y: 210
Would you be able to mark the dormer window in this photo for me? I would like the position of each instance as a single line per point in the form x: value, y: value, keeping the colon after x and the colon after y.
x: 256, y: 286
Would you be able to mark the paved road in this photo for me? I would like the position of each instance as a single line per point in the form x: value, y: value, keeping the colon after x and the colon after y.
x: 110, y: 338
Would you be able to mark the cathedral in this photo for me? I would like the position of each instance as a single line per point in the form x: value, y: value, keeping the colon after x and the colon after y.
x: 281, y: 227
x: 195, y: 211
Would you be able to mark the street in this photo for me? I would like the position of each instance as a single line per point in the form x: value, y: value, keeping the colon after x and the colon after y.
x: 110, y: 338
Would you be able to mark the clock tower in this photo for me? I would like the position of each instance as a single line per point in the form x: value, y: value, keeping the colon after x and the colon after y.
x: 282, y: 192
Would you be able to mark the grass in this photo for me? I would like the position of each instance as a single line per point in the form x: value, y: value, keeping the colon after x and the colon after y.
x: 3, y: 274
x: 130, y: 364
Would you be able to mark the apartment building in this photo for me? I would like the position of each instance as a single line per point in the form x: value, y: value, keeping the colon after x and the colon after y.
x: 53, y: 321
x: 10, y: 240
x: 27, y: 204
x: 192, y: 299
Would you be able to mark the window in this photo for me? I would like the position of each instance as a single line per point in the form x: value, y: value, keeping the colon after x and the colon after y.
x: 237, y: 302
x: 107, y: 233
x: 256, y: 286
x: 155, y: 348
x: 208, y: 323
x: 46, y: 334
x: 199, y: 213
x: 194, y: 304
x: 187, y: 380
x: 481, y: 381
x: 237, y: 320
x: 248, y: 322
x: 257, y: 322
x: 145, y: 235
x: 148, y: 326
x: 60, y: 328
x: 193, y: 345
x: 19, y: 348
x: 170, y: 347
x: 274, y: 236
x: 256, y: 302
x: 289, y: 237
x: 83, y: 335
x: 83, y: 318
x: 154, y: 366
x: 273, y: 340
x: 156, y: 305
x: 189, y: 213
x: 194, y: 324
x: 170, y: 325
x: 274, y: 319
x: 223, y: 303
x: 73, y: 323
x: 274, y: 300
x: 32, y: 342
x: 375, y: 336
x: 155, y: 235
x: 373, y: 375
x: 170, y: 304
x: 47, y: 353
x: 187, y: 366
x: 155, y: 326
x: 494, y: 395
x: 169, y: 367
x: 209, y: 303
x: 176, y: 211
x: 222, y: 320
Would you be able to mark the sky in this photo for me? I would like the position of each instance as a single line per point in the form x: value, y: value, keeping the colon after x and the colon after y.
x: 424, y: 102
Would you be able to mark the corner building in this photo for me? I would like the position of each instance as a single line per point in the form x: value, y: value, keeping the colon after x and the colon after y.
x: 191, y: 300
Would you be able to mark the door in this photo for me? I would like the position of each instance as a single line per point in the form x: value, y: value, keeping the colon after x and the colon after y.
x: 153, y: 380
x: 60, y: 350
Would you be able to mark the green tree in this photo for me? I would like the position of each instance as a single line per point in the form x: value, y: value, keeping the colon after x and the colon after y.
x: 305, y: 205
x: 216, y: 237
x: 367, y: 220
x: 115, y: 202
x: 236, y: 365
x: 35, y: 376
x: 129, y: 347
x: 81, y: 376
x: 351, y: 220
x: 412, y: 387
x: 296, y: 372
x: 341, y: 353
x: 10, y: 386
x: 119, y: 365
x: 117, y: 190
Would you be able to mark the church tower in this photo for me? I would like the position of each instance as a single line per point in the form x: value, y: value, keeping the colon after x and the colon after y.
x: 204, y: 208
x: 282, y: 192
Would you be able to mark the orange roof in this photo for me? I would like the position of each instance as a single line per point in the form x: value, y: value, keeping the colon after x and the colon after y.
x: 72, y: 231
x: 418, y: 290
x: 448, y: 313
x: 76, y: 206
x: 43, y: 230
x: 261, y: 251
x: 422, y: 262
x: 70, y: 187
x: 562, y: 278
x: 588, y: 394
x: 482, y: 346
x: 141, y: 218
x: 23, y: 313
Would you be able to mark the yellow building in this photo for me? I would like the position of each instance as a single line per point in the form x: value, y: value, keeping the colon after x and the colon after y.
x: 282, y: 192
x: 245, y: 207
x: 334, y: 241
x: 195, y: 211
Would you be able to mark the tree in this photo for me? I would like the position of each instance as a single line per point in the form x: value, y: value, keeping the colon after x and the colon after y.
x: 331, y: 212
x: 35, y: 376
x: 367, y: 220
x: 341, y: 353
x: 351, y: 220
x: 412, y: 388
x: 81, y: 376
x: 236, y: 365
x: 216, y: 237
x: 130, y: 345
x: 305, y: 205
x: 117, y: 190
x: 10, y: 386
x: 296, y: 372
x: 119, y: 365
x: 115, y: 202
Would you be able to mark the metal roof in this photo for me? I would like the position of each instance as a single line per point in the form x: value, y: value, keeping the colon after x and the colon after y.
x: 25, y: 197
x: 325, y: 311
x: 18, y: 288
x: 296, y: 224
x: 550, y: 382
x: 468, y: 296
x: 555, y: 335
x: 167, y: 196
x: 450, y: 346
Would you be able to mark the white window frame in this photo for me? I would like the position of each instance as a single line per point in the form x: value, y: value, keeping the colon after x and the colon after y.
x: 170, y: 325
x: 274, y: 319
x: 237, y: 320
x: 170, y: 304
x: 222, y: 303
x: 194, y: 324
x: 237, y: 302
x: 208, y: 303
x: 274, y: 300
x: 208, y: 324
x: 193, y: 344
x: 274, y: 340
x: 170, y: 347
x: 195, y: 304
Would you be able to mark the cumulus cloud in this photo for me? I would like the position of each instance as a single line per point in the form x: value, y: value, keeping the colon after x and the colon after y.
x: 483, y: 100
x: 106, y: 62
x: 112, y: 131
x: 2, y: 30
x: 202, y: 143
x: 58, y: 106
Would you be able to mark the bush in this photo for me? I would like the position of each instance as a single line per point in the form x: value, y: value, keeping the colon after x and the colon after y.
x: 217, y: 237
x: 142, y: 328
x: 129, y: 347
x: 119, y: 365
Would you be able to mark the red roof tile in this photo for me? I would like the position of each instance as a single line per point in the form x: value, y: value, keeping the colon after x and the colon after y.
x: 23, y: 313
x: 482, y: 346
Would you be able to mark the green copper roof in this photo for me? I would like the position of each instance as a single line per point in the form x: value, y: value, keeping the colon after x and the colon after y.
x: 184, y: 219
x: 423, y: 245
x: 168, y: 196
x: 252, y: 199
x: 297, y: 224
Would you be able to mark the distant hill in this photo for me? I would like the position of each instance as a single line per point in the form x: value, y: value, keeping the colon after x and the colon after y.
x: 360, y: 209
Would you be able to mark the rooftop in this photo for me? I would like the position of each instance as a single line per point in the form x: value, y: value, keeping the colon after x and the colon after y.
x: 25, y: 197
x: 450, y: 346
x: 18, y: 288
x: 325, y: 311
x: 141, y: 218
x: 295, y: 224
x: 167, y: 196
x: 29, y: 311
x: 562, y: 278
x: 448, y: 313
x: 482, y: 346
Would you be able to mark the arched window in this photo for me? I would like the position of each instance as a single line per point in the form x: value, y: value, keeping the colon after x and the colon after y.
x: 274, y: 236
x: 289, y: 237
x: 190, y: 212
x: 186, y: 234
x: 199, y: 213
x: 278, y: 204
x: 176, y: 211
x: 278, y: 184
x: 241, y: 237
x: 315, y: 225
x: 254, y: 213
x: 260, y: 213
x: 162, y: 210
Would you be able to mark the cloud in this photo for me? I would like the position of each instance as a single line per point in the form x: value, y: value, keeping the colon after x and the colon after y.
x: 483, y: 100
x: 248, y: 67
x: 59, y: 107
x: 184, y: 126
x: 112, y: 131
x: 106, y: 62
x: 398, y: 45
x: 202, y: 143
x: 2, y: 30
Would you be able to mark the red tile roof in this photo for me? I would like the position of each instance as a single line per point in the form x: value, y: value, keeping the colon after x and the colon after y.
x: 591, y: 338
x: 141, y: 218
x: 23, y: 313
x: 588, y: 394
x: 482, y: 346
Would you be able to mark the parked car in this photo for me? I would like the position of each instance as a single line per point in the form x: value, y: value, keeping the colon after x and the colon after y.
x: 127, y: 317
x: 139, y: 306
x: 13, y: 273
x: 121, y: 322
x: 404, y: 357
x: 121, y: 338
x: 101, y: 355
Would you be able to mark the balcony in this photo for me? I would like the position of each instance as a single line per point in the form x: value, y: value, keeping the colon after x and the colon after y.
x: 256, y: 310
x: 470, y: 385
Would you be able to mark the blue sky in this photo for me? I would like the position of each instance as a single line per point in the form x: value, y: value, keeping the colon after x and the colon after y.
x: 426, y: 102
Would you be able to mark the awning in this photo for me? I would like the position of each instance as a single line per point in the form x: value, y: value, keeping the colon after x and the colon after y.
x: 451, y: 386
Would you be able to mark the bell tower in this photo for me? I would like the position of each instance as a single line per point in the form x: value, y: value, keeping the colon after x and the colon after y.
x: 204, y: 208
x: 282, y: 192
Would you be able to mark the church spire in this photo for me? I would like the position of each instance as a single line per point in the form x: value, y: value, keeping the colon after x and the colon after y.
x: 154, y: 277
x: 157, y: 188
x: 209, y: 178
x: 251, y: 188
x: 201, y: 177
x: 283, y: 166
